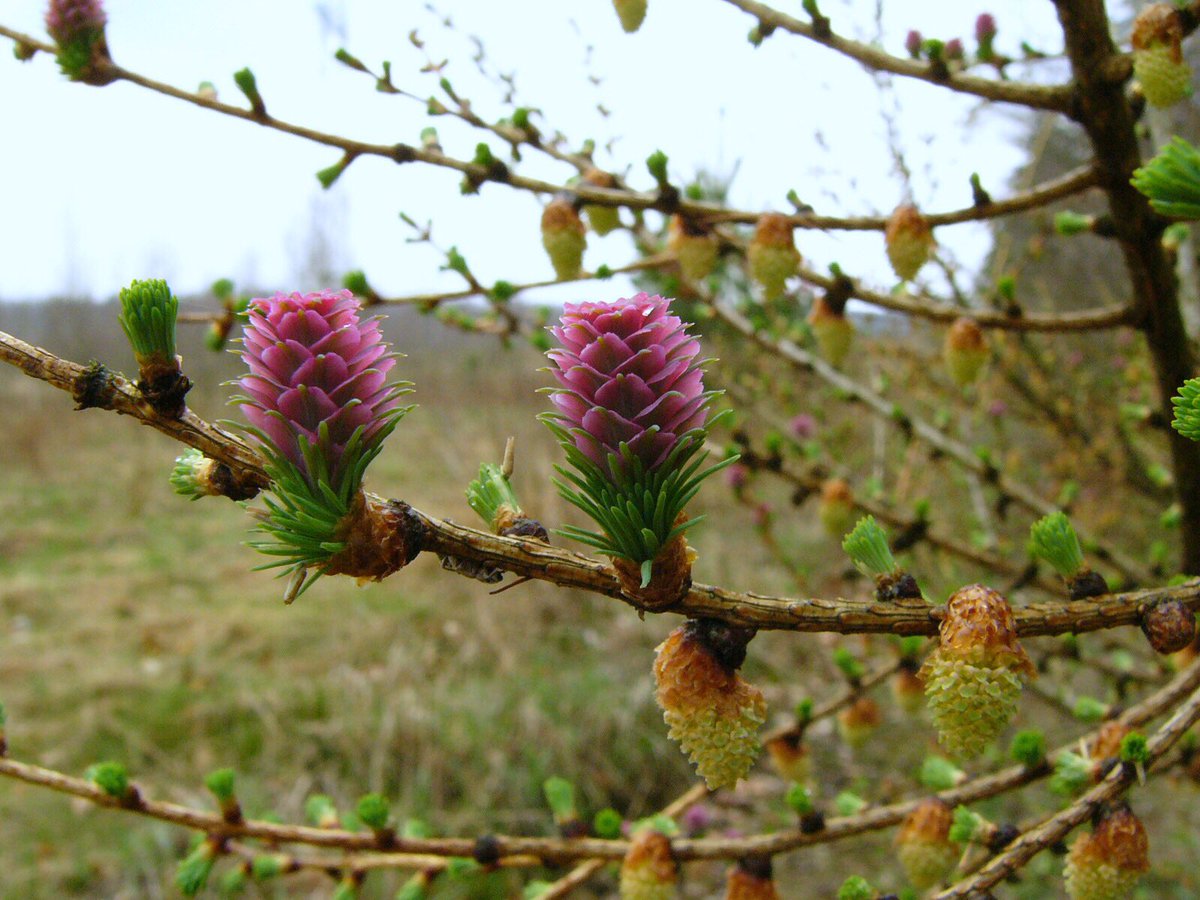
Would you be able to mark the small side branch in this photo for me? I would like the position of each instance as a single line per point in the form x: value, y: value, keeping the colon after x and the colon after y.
x: 1055, y: 98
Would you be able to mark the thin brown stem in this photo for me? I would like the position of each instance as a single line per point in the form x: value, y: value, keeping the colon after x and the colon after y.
x: 1035, y: 96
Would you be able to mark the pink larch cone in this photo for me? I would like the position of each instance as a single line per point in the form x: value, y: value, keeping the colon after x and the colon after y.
x: 632, y: 413
x: 317, y: 375
x: 629, y: 373
x: 318, y: 399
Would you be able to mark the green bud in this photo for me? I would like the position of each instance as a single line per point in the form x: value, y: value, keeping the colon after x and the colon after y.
x: 416, y: 829
x: 148, y: 312
x: 539, y: 340
x: 189, y: 475
x: 110, y: 777
x: 221, y: 783
x: 233, y: 882
x: 490, y: 495
x: 1089, y: 709
x: 520, y: 118
x: 856, y: 888
x: 604, y: 272
x: 483, y: 156
x: 1028, y: 748
x: 269, y: 865
x: 1072, y: 774
x: 416, y: 888
x: 192, y: 873
x: 346, y: 58
x: 330, y: 174
x: 804, y: 711
x: 455, y: 262
x: 502, y: 291
x: 355, y: 281
x: 1187, y: 409
x: 1006, y: 287
x: 1171, y: 517
x: 222, y: 289
x: 1134, y: 749
x: 320, y: 811
x: 461, y: 868
x: 244, y: 79
x: 373, y: 811
x: 848, y: 664
x: 1053, y: 539
x: 659, y: 822
x: 607, y: 824
x: 847, y: 803
x: 967, y: 825
x: 867, y: 547
x: 1175, y: 235
x: 800, y: 799
x: 939, y: 774
x: 1071, y: 223
x: 560, y: 796
x: 656, y: 162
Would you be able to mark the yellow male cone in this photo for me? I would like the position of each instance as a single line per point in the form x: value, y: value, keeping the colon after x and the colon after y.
x: 973, y: 678
x: 710, y: 709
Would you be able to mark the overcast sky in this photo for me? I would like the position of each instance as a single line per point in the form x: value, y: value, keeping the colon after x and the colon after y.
x: 106, y: 185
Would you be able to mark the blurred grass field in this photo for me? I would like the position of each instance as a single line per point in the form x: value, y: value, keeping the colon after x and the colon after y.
x: 133, y: 628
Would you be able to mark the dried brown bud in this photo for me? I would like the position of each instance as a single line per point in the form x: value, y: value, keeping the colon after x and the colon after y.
x: 1170, y: 626
x: 789, y: 754
x: 836, y: 509
x: 649, y: 868
x: 859, y: 721
x: 1107, y: 862
x: 751, y: 879
x: 1107, y: 744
